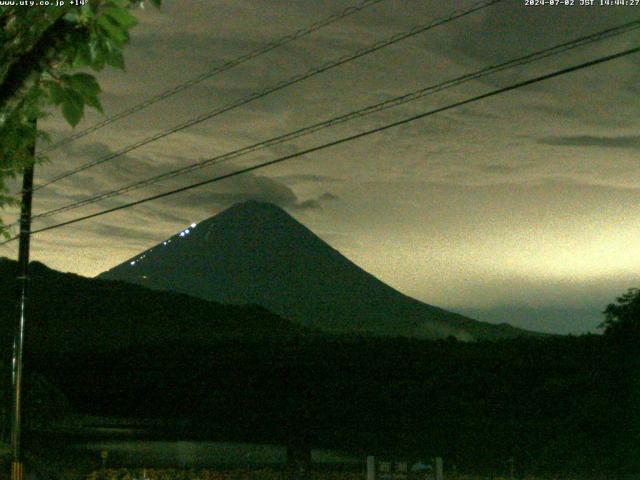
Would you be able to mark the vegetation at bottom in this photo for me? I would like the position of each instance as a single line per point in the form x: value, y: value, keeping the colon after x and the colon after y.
x: 550, y: 405
x: 556, y: 405
x: 257, y: 474
x: 202, y: 474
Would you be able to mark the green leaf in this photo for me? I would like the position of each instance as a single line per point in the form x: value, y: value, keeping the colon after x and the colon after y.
x: 95, y: 103
x: 99, y: 53
x: 121, y: 16
x: 85, y: 84
x: 115, y: 59
x: 113, y: 31
x: 83, y: 57
x: 56, y: 92
x: 87, y: 87
x: 90, y: 8
x: 94, y: 52
x: 99, y: 64
x: 118, y: 3
x: 111, y: 54
x: 156, y: 3
x: 72, y: 107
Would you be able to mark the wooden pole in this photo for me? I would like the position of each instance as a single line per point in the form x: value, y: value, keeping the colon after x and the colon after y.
x: 17, y: 469
x: 371, y: 468
x: 439, y: 468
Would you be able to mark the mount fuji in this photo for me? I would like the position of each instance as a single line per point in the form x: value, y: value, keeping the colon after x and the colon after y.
x: 256, y: 253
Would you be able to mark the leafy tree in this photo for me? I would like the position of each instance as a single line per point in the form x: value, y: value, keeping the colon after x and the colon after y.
x: 45, y: 53
x: 623, y: 318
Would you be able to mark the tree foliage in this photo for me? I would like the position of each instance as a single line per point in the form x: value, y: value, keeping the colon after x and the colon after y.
x: 45, y: 53
x: 623, y: 318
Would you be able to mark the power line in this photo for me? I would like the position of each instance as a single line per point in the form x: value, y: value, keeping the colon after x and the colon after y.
x: 396, y: 101
x: 222, y: 68
x: 279, y: 86
x: 340, y: 141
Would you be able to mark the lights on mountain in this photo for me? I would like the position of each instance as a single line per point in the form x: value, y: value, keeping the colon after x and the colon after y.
x: 185, y: 232
x: 133, y: 262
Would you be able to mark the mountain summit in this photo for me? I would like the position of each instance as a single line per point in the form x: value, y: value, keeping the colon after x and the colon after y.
x: 256, y: 253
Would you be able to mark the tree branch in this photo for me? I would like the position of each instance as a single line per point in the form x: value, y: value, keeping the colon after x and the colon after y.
x: 25, y: 72
x: 21, y: 31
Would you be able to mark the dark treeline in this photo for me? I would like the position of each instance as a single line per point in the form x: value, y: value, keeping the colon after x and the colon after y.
x: 555, y: 404
x: 552, y: 404
x: 68, y: 313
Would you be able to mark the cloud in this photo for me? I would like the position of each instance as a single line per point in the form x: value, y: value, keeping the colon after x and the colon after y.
x: 561, y: 320
x: 137, y: 231
x: 498, y: 169
x: 253, y: 187
x: 198, y: 203
x: 311, y: 204
x: 315, y: 203
x: 307, y: 178
x: 466, y: 195
x: 503, y: 28
x: 621, y: 141
x: 327, y: 197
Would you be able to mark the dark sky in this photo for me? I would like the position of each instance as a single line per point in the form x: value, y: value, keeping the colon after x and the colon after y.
x: 521, y: 208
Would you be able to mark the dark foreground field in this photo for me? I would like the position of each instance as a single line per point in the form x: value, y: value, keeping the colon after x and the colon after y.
x: 551, y: 405
x: 557, y: 406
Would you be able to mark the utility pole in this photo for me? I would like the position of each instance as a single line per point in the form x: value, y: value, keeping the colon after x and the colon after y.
x: 17, y: 469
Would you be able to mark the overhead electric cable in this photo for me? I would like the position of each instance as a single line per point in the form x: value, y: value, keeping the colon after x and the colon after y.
x: 222, y: 68
x: 396, y: 101
x: 342, y: 140
x: 279, y: 86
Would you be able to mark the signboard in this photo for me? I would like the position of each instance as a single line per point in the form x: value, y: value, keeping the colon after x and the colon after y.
x: 402, y: 470
x: 392, y: 471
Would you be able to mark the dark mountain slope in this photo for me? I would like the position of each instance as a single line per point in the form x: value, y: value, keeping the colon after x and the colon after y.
x: 70, y: 313
x: 256, y: 253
